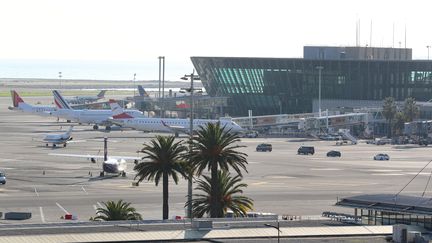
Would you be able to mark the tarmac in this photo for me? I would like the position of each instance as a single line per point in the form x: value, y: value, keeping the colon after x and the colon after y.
x: 280, y: 181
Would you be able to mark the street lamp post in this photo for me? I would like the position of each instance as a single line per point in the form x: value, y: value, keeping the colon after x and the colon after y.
x: 60, y: 76
x: 276, y: 227
x: 134, y: 83
x: 192, y: 77
x: 162, y: 80
x: 428, y: 50
x: 320, y: 68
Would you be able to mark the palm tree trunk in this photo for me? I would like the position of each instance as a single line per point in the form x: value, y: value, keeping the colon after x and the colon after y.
x: 390, y: 129
x: 214, y: 202
x: 165, y: 209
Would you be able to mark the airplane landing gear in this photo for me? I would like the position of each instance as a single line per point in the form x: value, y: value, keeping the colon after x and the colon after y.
x: 95, y: 127
x: 68, y: 121
x: 108, y: 128
x: 64, y: 145
x: 54, y: 145
x: 47, y: 145
x: 123, y: 174
x: 101, y: 174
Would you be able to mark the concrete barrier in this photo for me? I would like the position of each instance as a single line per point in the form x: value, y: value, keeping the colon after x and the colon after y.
x: 202, y: 224
x: 18, y: 215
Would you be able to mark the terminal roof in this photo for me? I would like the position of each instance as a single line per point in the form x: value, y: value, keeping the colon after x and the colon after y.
x: 389, y: 202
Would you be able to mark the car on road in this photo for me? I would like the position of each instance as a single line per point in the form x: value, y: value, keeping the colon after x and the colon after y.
x: 264, y: 147
x: 306, y: 150
x: 2, y: 178
x: 381, y: 157
x: 334, y: 153
x: 251, y: 134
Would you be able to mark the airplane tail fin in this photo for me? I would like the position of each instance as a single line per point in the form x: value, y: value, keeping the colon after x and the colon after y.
x: 16, y: 99
x: 118, y: 112
x: 60, y: 101
x: 142, y: 92
x: 101, y: 94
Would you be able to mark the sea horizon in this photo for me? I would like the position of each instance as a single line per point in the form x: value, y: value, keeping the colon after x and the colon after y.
x: 89, y: 70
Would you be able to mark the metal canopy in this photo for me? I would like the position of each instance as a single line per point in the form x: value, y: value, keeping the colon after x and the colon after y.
x: 389, y: 202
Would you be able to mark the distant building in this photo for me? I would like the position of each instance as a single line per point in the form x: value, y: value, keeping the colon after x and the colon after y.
x: 288, y: 85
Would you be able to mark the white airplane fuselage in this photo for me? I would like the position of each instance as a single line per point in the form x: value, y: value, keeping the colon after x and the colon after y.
x: 34, y: 109
x: 172, y: 125
x: 100, y: 117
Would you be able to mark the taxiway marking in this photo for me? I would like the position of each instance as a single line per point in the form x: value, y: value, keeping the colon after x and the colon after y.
x: 82, y: 187
x: 42, y: 215
x: 62, y: 208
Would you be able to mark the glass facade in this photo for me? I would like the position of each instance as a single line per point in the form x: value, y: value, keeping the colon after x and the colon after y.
x: 378, y: 217
x: 288, y: 85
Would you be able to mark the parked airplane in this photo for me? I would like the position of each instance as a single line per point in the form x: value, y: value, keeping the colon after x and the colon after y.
x: 111, y: 164
x: 20, y: 105
x: 58, y: 138
x: 142, y: 95
x: 142, y: 92
x: 86, y: 99
x: 176, y: 126
x: 96, y: 117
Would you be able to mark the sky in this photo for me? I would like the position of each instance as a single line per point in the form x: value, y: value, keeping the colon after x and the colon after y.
x: 138, y: 31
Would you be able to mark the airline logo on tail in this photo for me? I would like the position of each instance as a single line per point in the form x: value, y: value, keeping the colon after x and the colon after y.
x: 142, y: 92
x: 60, y: 101
x: 101, y: 94
x: 16, y: 99
x: 118, y: 112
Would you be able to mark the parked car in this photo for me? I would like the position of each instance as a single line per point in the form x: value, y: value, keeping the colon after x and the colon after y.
x: 334, y: 153
x: 381, y: 157
x: 2, y: 178
x: 251, y: 134
x: 264, y: 147
x: 306, y: 150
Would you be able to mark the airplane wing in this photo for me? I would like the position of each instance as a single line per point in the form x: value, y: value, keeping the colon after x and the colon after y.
x: 88, y: 156
x: 176, y: 128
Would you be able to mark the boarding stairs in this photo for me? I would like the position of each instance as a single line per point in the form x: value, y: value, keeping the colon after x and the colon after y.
x: 345, y: 133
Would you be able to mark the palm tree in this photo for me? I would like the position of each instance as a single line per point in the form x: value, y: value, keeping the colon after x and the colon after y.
x: 389, y: 111
x: 163, y: 158
x: 229, y: 187
x: 214, y: 148
x: 117, y: 211
x: 398, y: 124
x: 410, y: 109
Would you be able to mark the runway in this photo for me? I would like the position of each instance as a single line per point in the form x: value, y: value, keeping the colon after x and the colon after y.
x: 280, y: 181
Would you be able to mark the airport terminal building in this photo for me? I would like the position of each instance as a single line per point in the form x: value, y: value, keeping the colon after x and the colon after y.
x: 289, y: 85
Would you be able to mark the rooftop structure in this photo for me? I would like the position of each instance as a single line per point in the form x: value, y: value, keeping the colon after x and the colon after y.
x: 387, y: 209
x: 269, y: 86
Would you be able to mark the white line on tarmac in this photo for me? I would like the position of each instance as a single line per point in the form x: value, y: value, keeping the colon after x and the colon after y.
x: 84, y: 189
x: 62, y: 208
x: 37, y: 194
x: 42, y: 215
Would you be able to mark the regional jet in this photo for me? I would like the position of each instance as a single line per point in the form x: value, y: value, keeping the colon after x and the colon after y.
x: 95, y: 117
x: 86, y: 99
x: 111, y: 164
x: 176, y: 126
x: 20, y: 105
x: 56, y: 139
